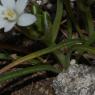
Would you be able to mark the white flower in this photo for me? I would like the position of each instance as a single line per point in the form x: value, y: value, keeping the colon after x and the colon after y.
x: 12, y: 12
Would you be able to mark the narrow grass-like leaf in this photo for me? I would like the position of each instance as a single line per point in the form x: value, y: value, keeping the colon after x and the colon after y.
x: 69, y: 30
x: 89, y: 22
x: 25, y: 71
x: 4, y: 56
x: 72, y: 17
x: 67, y: 59
x: 90, y: 28
x: 88, y: 49
x: 51, y: 37
x: 39, y: 53
x: 61, y: 57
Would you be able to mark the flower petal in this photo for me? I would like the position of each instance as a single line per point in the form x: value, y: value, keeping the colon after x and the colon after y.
x: 8, y: 26
x: 2, y: 23
x: 8, y: 3
x: 26, y: 19
x: 20, y: 6
x: 1, y: 9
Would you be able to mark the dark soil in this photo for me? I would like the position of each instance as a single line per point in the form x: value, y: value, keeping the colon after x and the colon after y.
x: 43, y: 87
x: 36, y: 84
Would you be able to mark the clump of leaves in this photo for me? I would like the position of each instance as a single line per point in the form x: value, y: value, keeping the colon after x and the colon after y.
x: 61, y: 39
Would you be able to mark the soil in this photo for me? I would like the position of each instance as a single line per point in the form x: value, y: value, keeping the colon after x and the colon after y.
x: 36, y: 84
x: 43, y: 87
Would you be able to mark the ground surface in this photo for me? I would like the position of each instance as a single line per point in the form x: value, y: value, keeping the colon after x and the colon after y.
x: 43, y: 87
x: 36, y: 84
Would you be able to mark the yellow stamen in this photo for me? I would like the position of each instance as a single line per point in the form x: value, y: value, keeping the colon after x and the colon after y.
x: 10, y: 14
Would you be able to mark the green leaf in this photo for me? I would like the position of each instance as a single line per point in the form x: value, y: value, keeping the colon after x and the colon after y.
x: 72, y: 17
x: 39, y: 53
x: 4, y: 56
x: 51, y: 36
x: 43, y: 20
x: 25, y: 71
x: 84, y: 48
x: 88, y: 20
x: 69, y: 29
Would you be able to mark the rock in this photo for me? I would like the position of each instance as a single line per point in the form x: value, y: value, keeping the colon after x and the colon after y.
x: 76, y: 80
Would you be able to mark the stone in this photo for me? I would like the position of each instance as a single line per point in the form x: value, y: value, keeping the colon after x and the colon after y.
x: 76, y: 80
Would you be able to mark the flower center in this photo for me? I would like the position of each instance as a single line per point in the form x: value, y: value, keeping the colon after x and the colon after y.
x: 10, y: 15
